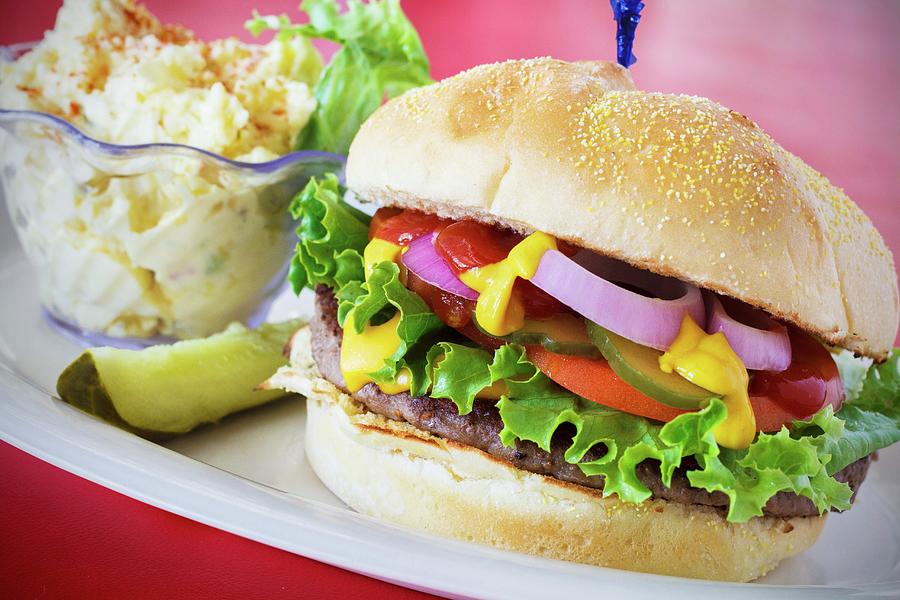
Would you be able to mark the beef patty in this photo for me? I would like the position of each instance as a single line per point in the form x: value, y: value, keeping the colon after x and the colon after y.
x: 481, y: 429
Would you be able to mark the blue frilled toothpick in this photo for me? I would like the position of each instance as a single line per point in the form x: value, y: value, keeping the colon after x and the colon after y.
x: 627, y: 14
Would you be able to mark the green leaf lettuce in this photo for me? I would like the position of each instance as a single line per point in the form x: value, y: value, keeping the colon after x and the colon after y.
x: 332, y: 236
x: 535, y: 409
x: 380, y: 55
x: 384, y: 294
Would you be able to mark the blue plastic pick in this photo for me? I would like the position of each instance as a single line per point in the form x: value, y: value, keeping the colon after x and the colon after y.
x: 627, y: 14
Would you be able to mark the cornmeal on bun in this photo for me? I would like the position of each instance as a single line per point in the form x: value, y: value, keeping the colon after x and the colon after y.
x: 592, y: 323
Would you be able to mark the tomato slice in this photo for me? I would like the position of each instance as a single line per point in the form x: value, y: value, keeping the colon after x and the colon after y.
x: 811, y: 382
x: 538, y: 304
x: 453, y: 310
x: 403, y: 226
x: 770, y: 416
x: 594, y: 380
x: 777, y: 399
x: 382, y: 215
x: 469, y: 244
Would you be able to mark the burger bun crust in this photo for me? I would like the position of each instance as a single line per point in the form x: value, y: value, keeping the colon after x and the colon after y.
x: 678, y: 185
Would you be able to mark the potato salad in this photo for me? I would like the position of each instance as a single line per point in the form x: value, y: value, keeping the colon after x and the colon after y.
x: 166, y: 245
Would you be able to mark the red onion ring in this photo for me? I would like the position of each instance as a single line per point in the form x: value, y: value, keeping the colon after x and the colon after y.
x: 761, y: 342
x: 422, y: 259
x: 653, y: 322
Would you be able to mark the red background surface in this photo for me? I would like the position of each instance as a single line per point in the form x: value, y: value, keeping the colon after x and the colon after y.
x: 822, y: 77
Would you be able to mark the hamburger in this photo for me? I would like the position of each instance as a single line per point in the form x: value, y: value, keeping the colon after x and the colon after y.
x: 592, y: 323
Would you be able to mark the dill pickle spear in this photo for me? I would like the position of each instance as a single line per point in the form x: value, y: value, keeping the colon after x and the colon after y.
x: 165, y: 390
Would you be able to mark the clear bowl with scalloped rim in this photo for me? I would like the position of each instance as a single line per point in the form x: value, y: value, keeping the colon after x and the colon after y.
x: 153, y: 242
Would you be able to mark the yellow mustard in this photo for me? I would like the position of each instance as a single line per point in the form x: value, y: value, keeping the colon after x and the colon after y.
x: 378, y: 251
x: 498, y: 311
x: 364, y: 353
x: 708, y: 361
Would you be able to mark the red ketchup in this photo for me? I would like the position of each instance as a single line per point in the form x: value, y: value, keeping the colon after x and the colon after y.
x: 468, y: 244
x: 401, y: 227
x: 811, y: 382
x: 464, y: 245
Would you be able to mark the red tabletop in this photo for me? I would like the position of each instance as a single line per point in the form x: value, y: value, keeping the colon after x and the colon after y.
x: 822, y: 77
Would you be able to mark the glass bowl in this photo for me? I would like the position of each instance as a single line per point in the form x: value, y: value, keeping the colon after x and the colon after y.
x: 139, y: 244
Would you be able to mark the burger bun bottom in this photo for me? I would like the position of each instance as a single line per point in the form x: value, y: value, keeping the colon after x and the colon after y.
x: 395, y: 472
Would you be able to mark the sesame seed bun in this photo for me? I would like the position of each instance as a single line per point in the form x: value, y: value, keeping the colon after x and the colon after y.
x: 398, y: 473
x: 678, y: 185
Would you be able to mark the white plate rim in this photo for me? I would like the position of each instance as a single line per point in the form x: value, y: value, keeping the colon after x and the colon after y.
x: 93, y: 450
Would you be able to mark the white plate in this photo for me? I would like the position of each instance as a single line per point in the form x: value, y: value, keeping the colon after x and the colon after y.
x: 248, y: 476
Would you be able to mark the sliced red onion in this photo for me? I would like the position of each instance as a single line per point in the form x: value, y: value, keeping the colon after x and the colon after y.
x: 422, y: 259
x: 761, y: 342
x: 649, y: 321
